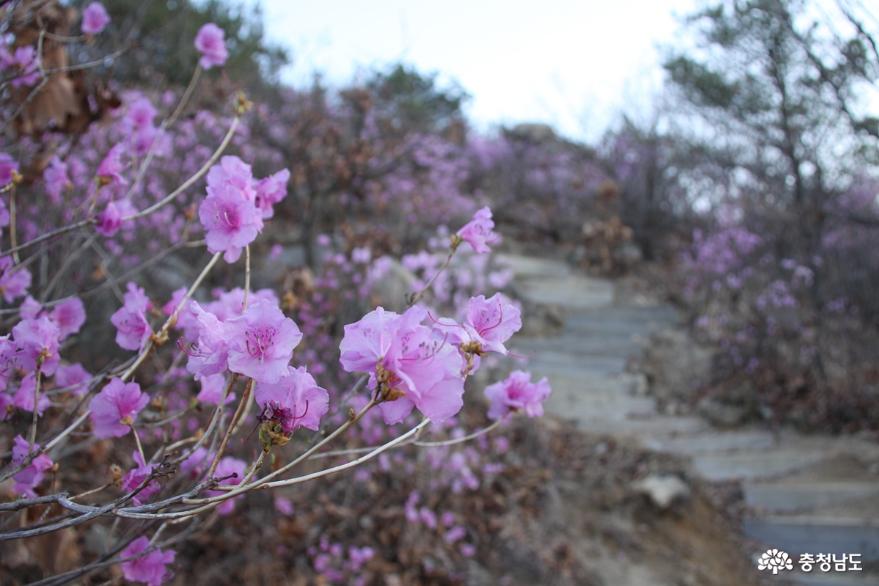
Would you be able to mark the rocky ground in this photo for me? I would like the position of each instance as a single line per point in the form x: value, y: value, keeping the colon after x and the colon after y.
x: 800, y: 493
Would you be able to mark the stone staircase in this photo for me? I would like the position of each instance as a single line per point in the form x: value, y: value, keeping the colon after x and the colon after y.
x: 803, y: 493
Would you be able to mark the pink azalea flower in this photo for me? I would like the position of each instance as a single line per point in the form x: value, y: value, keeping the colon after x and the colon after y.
x: 8, y: 169
x: 196, y: 463
x: 73, y: 377
x: 141, y: 113
x: 283, y: 505
x: 294, y: 401
x: 208, y: 351
x: 174, y: 303
x: 491, y: 322
x: 230, y: 304
x: 410, y: 360
x: 14, y: 281
x: 478, y: 232
x: 25, y: 60
x: 109, y: 221
x: 111, y: 167
x: 147, y: 568
x: 231, y: 221
x: 517, y: 393
x: 8, y: 364
x: 24, y: 396
x: 56, y: 179
x: 94, y: 18
x: 135, y: 477
x: 212, y: 389
x: 116, y: 402
x: 68, y: 315
x: 231, y: 171
x: 231, y: 470
x: 211, y: 43
x: 36, y: 340
x: 30, y: 308
x: 271, y: 190
x: 132, y: 327
x: 261, y: 342
x: 32, y: 475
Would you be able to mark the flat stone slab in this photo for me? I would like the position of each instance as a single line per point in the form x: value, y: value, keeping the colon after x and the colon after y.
x: 569, y: 291
x: 715, y: 441
x: 787, y: 497
x: 758, y: 464
x: 816, y: 535
x: 529, y: 266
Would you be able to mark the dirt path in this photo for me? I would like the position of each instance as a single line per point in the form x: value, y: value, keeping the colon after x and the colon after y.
x: 803, y: 494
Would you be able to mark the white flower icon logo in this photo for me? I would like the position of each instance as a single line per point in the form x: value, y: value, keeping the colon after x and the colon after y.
x: 775, y: 560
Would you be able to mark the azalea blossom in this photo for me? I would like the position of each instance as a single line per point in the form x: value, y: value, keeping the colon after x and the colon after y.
x: 24, y: 396
x: 212, y: 388
x: 517, y: 393
x: 208, y: 349
x: 196, y: 463
x: 111, y: 167
x: 271, y: 190
x: 488, y: 323
x: 73, y: 377
x: 409, y: 364
x: 478, y: 232
x: 231, y: 472
x: 56, y: 179
x: 69, y: 315
x: 94, y: 18
x: 210, y: 42
x: 135, y: 477
x: 149, y: 568
x: 25, y: 60
x: 109, y: 220
x: 14, y: 281
x: 116, y: 407
x: 294, y: 401
x: 32, y: 475
x: 261, y: 342
x: 8, y: 169
x: 132, y: 327
x: 231, y: 221
x: 36, y: 342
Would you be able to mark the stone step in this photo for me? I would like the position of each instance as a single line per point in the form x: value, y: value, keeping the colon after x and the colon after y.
x: 573, y: 292
x: 586, y: 381
x: 621, y: 346
x: 716, y: 441
x: 788, y: 497
x: 610, y: 406
x: 638, y: 321
x: 576, y: 366
x: 805, y: 534
x: 755, y: 465
x: 648, y: 431
x: 529, y: 266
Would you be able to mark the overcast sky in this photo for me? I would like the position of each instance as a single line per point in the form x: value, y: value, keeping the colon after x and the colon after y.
x: 570, y: 63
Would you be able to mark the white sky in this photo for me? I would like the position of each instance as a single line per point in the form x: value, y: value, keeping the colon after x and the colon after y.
x: 573, y: 64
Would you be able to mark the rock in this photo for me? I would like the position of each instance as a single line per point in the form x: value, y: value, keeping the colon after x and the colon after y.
x: 663, y: 490
x: 721, y: 413
x: 394, y: 287
x: 534, y: 132
x: 675, y: 365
